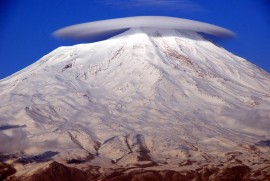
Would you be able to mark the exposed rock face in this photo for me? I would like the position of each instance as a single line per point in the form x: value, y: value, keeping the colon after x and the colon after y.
x: 59, y: 172
x: 6, y: 170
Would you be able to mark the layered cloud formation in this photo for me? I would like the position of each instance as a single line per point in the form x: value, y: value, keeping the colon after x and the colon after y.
x: 91, y: 30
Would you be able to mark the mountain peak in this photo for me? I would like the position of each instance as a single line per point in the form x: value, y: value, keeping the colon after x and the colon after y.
x: 145, y: 97
x: 159, y: 32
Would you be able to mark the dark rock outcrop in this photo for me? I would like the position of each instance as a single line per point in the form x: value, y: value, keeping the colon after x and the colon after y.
x: 6, y: 170
x: 58, y: 172
x: 233, y: 172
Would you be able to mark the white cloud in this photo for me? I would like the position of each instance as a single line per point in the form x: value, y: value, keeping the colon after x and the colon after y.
x: 186, y: 5
x: 90, y: 30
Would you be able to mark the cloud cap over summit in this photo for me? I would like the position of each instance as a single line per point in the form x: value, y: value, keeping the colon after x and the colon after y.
x: 86, y: 31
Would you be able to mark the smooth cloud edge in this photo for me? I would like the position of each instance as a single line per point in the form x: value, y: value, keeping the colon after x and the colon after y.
x: 91, y: 29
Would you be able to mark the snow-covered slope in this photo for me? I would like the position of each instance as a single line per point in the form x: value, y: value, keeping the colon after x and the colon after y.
x: 145, y: 96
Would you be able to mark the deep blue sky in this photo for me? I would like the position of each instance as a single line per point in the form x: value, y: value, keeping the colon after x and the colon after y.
x: 26, y: 25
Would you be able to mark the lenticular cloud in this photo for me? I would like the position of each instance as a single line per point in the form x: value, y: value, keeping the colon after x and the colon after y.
x: 91, y: 30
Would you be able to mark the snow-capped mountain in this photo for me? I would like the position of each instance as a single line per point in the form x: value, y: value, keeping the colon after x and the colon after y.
x: 166, y: 99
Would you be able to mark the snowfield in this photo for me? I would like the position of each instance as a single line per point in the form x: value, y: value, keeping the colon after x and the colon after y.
x: 148, y: 97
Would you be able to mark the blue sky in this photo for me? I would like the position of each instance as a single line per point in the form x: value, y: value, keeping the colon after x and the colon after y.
x: 26, y: 26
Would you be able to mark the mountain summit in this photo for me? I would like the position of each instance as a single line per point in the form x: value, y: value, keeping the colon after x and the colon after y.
x: 147, y: 98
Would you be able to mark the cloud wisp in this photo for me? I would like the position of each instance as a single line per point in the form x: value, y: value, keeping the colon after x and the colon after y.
x: 185, y: 5
x: 88, y: 31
